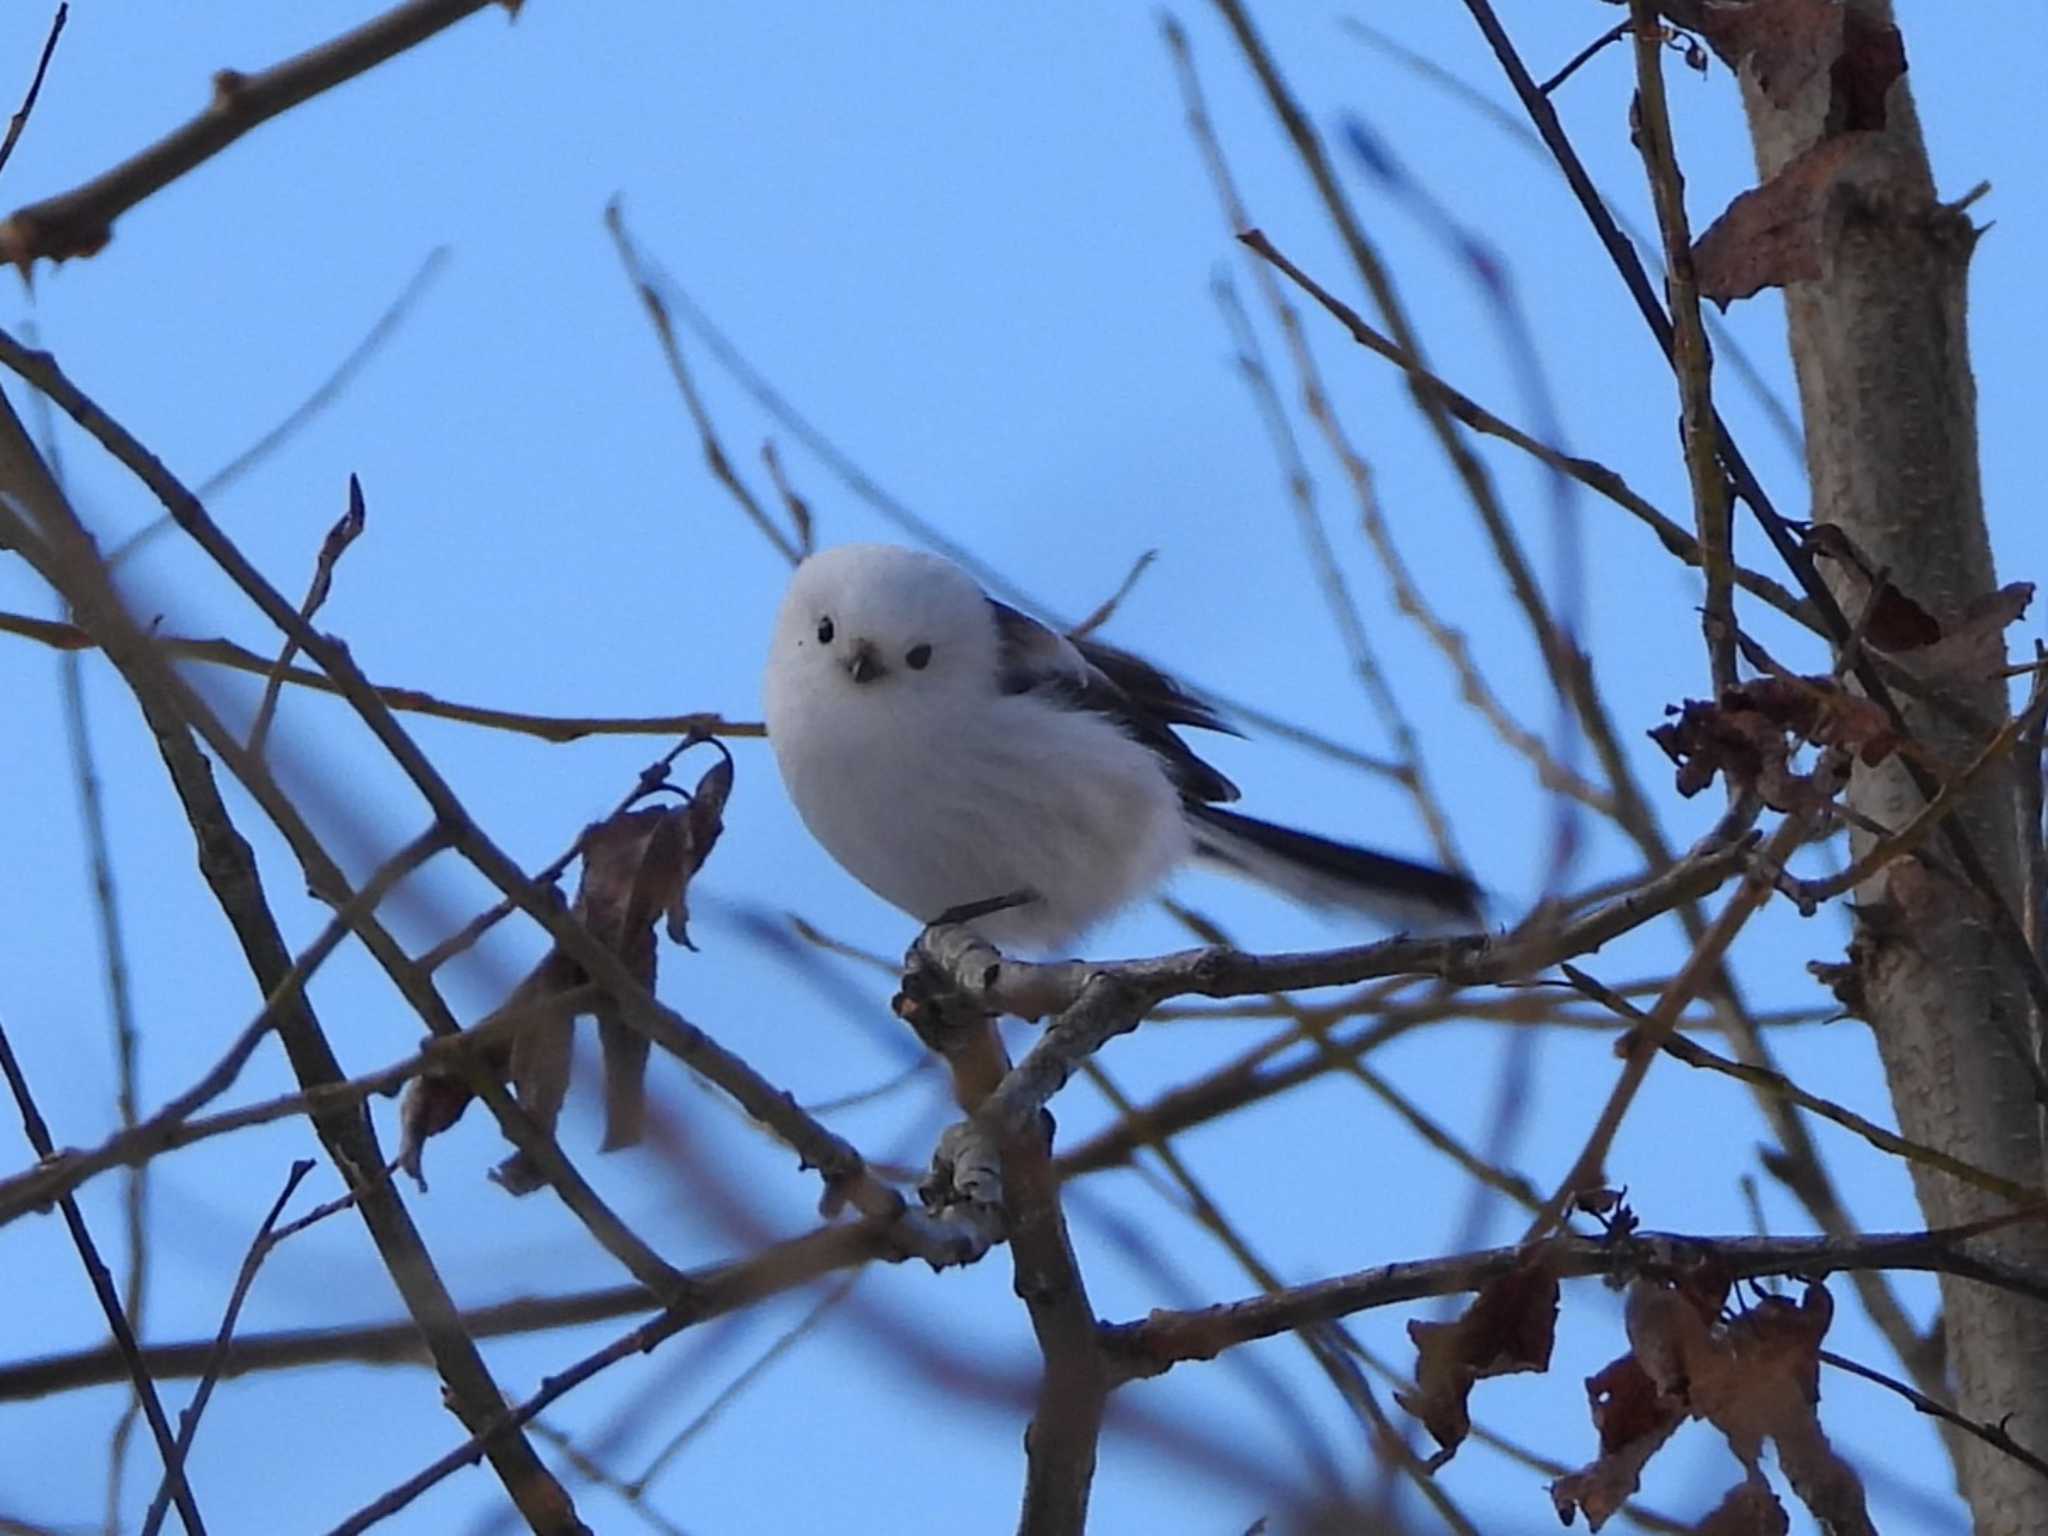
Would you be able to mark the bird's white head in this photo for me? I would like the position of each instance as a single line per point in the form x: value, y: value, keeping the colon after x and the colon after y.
x: 881, y: 620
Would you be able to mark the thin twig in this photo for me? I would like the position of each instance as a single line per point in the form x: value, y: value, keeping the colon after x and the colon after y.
x: 1613, y: 34
x: 188, y: 1421
x: 590, y: 1468
x: 799, y: 509
x: 1106, y: 609
x: 1993, y: 1435
x: 1588, y: 472
x: 756, y: 1368
x: 713, y: 1294
x: 120, y: 1001
x: 1690, y: 359
x: 1589, y: 1168
x: 1695, y: 1055
x: 81, y: 221
x: 324, y: 394
x: 555, y: 729
x: 665, y: 332
x: 110, y: 1301
x: 1168, y: 1338
x: 346, y: 530
x: 19, y: 121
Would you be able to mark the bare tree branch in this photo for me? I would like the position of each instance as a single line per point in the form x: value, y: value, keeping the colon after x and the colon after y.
x: 1167, y: 1338
x: 1587, y: 472
x: 665, y: 332
x: 323, y: 394
x: 109, y: 1300
x: 81, y: 221
x: 781, y: 1268
x: 549, y: 728
x: 1690, y: 358
x: 62, y: 553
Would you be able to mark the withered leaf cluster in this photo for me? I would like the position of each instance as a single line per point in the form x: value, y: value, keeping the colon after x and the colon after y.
x: 1755, y: 1376
x: 1777, y: 233
x: 637, y: 866
x: 1752, y: 734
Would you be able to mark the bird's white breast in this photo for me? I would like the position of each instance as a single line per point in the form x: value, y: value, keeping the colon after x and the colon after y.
x: 933, y: 799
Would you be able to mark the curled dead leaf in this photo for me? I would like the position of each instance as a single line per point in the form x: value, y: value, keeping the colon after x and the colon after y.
x: 1633, y: 1420
x: 1969, y: 646
x: 1509, y: 1327
x: 1778, y: 233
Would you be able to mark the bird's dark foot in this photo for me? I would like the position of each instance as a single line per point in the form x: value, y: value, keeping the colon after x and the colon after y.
x: 968, y: 911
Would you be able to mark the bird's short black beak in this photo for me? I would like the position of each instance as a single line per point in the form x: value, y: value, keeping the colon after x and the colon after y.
x: 865, y: 664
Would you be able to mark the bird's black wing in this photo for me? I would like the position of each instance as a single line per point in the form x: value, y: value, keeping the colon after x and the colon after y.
x: 1143, y: 701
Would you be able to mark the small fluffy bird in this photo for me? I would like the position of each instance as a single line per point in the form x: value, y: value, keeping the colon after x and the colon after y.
x: 947, y: 749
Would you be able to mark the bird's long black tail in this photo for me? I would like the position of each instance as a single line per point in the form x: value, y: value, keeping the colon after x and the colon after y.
x: 1321, y: 872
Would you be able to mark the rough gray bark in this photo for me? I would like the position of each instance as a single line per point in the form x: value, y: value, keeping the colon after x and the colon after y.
x: 1881, y: 348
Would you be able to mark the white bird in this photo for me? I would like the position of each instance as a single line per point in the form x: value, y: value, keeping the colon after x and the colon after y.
x: 947, y: 749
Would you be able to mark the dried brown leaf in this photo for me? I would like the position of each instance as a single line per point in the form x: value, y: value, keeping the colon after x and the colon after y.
x: 1509, y: 1327
x: 1784, y: 42
x: 1973, y: 647
x: 1970, y: 646
x: 637, y: 867
x: 1777, y: 233
x: 705, y: 821
x: 1634, y: 1420
x: 433, y: 1102
x: 1891, y: 620
x: 1750, y: 1509
x: 624, y: 1051
x: 1787, y: 44
x: 1873, y: 57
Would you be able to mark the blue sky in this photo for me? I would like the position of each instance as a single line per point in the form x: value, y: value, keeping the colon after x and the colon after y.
x: 975, y: 246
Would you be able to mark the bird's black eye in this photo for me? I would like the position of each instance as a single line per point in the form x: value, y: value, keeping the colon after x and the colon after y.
x: 824, y: 631
x: 918, y: 657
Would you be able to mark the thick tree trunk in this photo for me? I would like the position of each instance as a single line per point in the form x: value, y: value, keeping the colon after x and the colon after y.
x: 1882, y: 353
